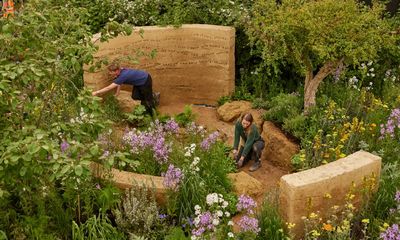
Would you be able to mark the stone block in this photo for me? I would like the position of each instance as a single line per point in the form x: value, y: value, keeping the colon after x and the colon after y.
x: 335, y: 178
x: 243, y: 183
x: 232, y: 110
x: 278, y: 148
x: 194, y: 64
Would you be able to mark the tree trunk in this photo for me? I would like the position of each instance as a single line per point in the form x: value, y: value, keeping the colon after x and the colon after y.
x: 312, y: 82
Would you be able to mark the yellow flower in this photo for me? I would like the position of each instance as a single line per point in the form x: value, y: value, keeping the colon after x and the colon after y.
x: 327, y: 227
x: 365, y: 220
x: 313, y: 215
x: 342, y: 155
x: 315, y: 233
x: 327, y: 195
x: 290, y: 225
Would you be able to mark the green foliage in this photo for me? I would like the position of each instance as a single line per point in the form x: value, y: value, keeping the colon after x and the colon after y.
x: 224, y: 99
x: 271, y: 224
x: 378, y: 208
x: 186, y: 117
x: 112, y: 109
x: 138, y: 117
x: 316, y: 36
x: 282, y: 107
x: 260, y: 103
x: 96, y: 227
x: 328, y: 30
x: 176, y: 233
x: 138, y: 214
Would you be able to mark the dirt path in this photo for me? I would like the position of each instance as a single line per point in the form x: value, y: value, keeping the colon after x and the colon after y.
x: 268, y: 174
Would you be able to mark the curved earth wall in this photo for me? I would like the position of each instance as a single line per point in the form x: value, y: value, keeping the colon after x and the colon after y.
x: 194, y: 64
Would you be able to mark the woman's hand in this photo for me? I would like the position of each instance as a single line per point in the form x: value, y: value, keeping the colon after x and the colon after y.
x: 240, y: 162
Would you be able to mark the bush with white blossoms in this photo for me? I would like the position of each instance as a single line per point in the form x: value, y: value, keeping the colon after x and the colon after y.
x: 214, y: 220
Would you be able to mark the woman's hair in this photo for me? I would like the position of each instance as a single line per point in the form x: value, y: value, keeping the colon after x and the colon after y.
x: 248, y: 117
x: 113, y: 67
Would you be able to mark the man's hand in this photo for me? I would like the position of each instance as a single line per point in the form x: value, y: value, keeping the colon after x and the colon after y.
x: 94, y: 93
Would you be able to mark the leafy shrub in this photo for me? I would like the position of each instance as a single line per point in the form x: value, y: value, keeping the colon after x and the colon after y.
x: 296, y: 126
x: 138, y: 117
x: 283, y: 106
x: 186, y: 117
x: 260, y: 103
x: 96, y: 227
x: 138, y: 213
x: 269, y: 219
x: 112, y: 109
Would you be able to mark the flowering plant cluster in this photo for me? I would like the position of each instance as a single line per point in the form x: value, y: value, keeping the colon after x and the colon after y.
x: 393, y: 123
x: 172, y: 177
x: 154, y: 139
x: 247, y: 223
x: 212, y: 219
x: 393, y: 232
x: 209, y: 141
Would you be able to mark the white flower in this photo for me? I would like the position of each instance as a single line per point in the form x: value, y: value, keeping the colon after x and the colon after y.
x: 372, y: 69
x: 372, y: 74
x: 215, y: 221
x: 196, y: 221
x: 197, y: 207
x: 188, y: 154
x: 230, y: 234
x: 230, y: 223
x: 220, y: 213
x: 369, y: 63
x: 193, y: 237
x: 196, y: 160
x: 227, y: 214
x: 197, y: 169
x: 212, y: 198
x: 224, y: 204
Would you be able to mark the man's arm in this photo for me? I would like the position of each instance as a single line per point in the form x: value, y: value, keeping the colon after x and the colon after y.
x: 106, y: 89
x: 118, y: 90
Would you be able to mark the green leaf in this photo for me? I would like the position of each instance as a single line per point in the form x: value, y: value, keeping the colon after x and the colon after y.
x: 78, y: 170
x: 94, y: 150
x: 6, y: 28
x: 65, y: 169
x: 22, y: 171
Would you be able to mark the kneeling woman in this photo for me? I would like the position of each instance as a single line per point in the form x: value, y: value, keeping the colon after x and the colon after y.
x: 254, y: 144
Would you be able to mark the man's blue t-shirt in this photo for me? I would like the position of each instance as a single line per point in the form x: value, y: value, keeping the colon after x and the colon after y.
x: 131, y: 76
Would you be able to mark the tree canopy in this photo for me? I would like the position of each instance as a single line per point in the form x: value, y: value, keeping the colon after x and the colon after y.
x: 317, y: 36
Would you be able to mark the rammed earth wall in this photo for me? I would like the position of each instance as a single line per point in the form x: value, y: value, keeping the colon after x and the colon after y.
x: 194, y: 64
x: 304, y: 192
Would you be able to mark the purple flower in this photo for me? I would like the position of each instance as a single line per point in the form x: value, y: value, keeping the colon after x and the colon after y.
x: 153, y: 139
x: 248, y: 224
x: 397, y: 196
x: 211, y: 139
x: 392, y: 123
x: 246, y: 204
x: 64, y: 146
x: 391, y: 233
x: 198, y: 232
x: 98, y: 186
x: 172, y: 177
x: 162, y: 216
x: 171, y: 126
